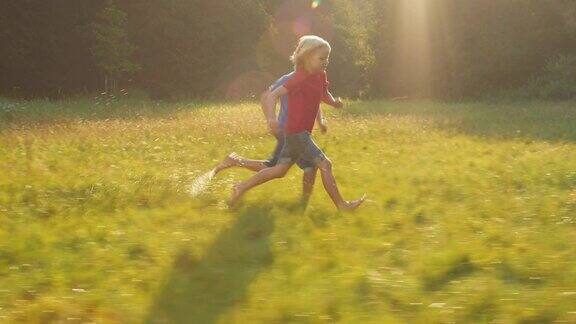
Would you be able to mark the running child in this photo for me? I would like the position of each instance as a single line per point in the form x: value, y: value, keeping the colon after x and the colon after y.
x: 305, y: 89
x: 309, y: 169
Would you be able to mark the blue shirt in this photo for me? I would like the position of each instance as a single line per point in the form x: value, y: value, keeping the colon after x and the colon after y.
x: 283, y: 114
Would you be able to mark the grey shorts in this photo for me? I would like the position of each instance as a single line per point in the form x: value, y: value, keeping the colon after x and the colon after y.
x: 280, y: 140
x: 301, y: 147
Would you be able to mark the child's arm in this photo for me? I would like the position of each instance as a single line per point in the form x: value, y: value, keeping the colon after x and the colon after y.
x: 262, y: 100
x: 268, y: 101
x: 321, y: 122
x: 330, y: 100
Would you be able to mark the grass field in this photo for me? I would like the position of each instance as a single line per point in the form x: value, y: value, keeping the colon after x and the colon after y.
x: 471, y: 216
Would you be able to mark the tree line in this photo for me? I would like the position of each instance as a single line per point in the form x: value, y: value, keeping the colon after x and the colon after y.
x: 444, y: 49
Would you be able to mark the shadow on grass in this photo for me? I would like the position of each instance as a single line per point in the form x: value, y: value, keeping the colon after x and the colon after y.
x: 46, y: 112
x: 199, y: 291
x: 547, y: 121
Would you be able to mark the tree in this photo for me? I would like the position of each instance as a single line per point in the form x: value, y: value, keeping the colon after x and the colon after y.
x: 192, y: 47
x: 353, y: 23
x: 112, y: 48
x: 45, y: 47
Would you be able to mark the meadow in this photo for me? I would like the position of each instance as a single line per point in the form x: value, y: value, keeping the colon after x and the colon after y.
x: 471, y: 215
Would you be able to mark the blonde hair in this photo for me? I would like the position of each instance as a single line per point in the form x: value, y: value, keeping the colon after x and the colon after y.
x: 305, y: 45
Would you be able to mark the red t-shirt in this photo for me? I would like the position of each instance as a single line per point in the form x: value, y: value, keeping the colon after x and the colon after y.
x: 305, y: 91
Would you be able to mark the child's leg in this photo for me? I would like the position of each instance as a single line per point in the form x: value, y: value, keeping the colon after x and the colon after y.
x: 235, y: 160
x: 331, y: 188
x: 264, y: 175
x: 308, y: 181
x: 309, y: 169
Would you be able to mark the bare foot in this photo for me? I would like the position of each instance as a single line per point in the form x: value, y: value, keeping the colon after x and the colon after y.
x: 351, y: 205
x: 235, y: 197
x: 229, y: 161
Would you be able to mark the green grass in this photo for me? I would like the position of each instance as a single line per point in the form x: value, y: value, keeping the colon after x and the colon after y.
x: 471, y: 216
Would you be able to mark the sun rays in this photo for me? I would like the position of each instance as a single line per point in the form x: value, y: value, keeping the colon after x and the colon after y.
x: 413, y: 59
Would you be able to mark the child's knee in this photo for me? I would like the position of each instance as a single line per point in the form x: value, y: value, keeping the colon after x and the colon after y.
x: 310, y: 171
x: 310, y: 175
x: 325, y: 165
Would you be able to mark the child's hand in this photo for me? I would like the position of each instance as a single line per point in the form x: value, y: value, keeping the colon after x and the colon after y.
x: 323, y: 126
x: 338, y: 103
x: 274, y: 126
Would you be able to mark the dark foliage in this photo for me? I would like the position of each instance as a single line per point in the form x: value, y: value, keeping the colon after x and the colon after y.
x: 234, y: 49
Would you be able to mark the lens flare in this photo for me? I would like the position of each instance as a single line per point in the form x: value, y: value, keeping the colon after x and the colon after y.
x: 316, y: 3
x: 302, y: 26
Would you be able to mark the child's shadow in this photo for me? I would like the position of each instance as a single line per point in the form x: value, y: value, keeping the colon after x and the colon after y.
x: 199, y: 291
x: 320, y: 218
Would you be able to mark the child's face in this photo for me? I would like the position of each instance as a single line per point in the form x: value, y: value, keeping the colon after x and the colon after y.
x: 318, y: 60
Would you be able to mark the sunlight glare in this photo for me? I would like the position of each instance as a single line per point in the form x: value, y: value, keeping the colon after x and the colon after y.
x: 413, y: 61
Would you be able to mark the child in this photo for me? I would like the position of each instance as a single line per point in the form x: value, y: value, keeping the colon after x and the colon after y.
x: 234, y: 160
x: 305, y: 90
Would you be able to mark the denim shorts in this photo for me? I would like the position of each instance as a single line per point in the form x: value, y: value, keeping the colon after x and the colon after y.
x: 280, y: 141
x: 300, y: 148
